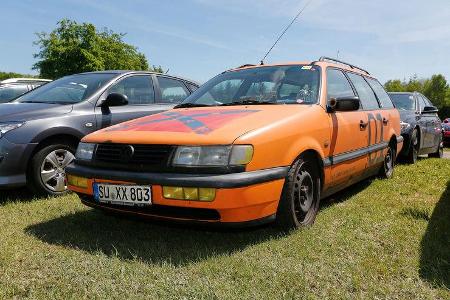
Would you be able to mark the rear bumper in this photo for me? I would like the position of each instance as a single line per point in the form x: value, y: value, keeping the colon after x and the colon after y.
x: 246, y: 198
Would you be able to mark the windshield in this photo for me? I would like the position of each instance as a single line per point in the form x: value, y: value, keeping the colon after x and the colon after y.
x: 67, y: 90
x: 275, y: 85
x: 403, y: 101
x: 9, y: 92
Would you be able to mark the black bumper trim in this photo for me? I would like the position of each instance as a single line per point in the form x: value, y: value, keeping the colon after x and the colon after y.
x: 340, y: 158
x: 233, y: 180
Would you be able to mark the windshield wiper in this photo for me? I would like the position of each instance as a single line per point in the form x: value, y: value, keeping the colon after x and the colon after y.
x: 248, y: 102
x: 190, y: 104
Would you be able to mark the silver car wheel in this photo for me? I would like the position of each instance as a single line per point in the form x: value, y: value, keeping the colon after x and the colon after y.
x: 53, y: 173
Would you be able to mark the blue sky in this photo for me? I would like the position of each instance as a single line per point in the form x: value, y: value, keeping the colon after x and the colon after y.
x: 201, y: 38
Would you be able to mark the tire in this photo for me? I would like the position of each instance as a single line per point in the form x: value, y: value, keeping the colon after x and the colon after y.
x: 302, y: 182
x: 387, y: 169
x: 411, y: 157
x: 46, y: 175
x: 439, y: 153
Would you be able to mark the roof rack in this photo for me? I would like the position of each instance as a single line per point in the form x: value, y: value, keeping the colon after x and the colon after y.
x: 326, y: 58
x: 246, y: 65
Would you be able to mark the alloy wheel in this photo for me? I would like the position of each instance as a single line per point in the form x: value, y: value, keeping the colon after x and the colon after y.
x: 53, y: 173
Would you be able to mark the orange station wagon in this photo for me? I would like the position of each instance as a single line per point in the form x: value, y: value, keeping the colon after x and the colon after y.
x: 254, y: 144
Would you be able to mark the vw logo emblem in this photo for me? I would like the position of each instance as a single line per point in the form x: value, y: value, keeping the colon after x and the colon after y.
x: 127, y: 153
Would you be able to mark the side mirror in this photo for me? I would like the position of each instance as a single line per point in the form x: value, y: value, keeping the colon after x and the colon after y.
x: 429, y: 110
x: 115, y: 99
x: 344, y: 104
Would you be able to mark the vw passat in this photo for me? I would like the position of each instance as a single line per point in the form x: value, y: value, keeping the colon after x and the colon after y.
x: 254, y: 144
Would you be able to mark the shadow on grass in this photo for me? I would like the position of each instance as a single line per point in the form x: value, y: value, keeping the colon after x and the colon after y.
x: 129, y: 238
x: 19, y: 194
x: 346, y: 193
x: 435, y: 245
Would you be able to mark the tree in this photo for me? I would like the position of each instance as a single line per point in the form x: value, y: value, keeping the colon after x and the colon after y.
x: 436, y: 89
x: 394, y: 86
x: 74, y: 48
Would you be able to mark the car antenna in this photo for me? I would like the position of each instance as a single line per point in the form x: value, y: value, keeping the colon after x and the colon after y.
x: 284, y: 31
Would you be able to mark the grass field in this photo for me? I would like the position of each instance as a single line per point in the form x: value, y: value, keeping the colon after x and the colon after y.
x: 378, y: 239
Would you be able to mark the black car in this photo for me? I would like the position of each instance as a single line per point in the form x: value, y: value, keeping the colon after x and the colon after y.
x: 420, y: 124
x: 40, y: 131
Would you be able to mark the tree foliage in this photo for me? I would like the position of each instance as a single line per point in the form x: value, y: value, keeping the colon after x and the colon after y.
x: 435, y: 88
x: 74, y: 48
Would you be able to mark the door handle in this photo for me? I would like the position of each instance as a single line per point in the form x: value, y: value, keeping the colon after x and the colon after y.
x: 363, y: 125
x: 385, y: 121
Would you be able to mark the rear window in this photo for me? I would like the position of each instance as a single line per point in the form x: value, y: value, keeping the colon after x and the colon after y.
x: 365, y: 92
x: 381, y: 94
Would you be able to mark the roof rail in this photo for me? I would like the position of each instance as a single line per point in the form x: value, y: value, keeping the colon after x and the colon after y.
x: 246, y: 65
x: 326, y: 58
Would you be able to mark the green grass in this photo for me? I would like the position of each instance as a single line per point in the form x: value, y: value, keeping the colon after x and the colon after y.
x: 378, y: 239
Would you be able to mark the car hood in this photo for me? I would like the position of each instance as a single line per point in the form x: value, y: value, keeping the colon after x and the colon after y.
x: 29, y: 111
x: 198, y: 126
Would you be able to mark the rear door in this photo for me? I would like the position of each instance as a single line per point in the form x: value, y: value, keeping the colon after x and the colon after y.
x: 375, y: 119
x: 170, y: 91
x: 141, y: 101
x: 349, y: 133
x: 435, y: 126
x: 425, y: 124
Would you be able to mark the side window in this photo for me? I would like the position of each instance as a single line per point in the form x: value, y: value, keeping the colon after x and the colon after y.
x: 338, y: 85
x: 365, y: 92
x: 380, y: 92
x: 138, y: 89
x: 172, y: 91
x: 422, y: 102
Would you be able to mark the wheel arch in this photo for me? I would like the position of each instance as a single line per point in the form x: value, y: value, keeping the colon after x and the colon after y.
x: 315, y: 156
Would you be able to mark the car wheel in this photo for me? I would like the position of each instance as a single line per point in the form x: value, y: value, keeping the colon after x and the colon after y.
x: 411, y: 157
x: 439, y: 153
x: 47, y: 174
x: 387, y: 170
x: 300, y: 197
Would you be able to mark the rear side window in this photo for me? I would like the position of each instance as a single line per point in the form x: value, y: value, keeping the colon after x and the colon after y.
x: 172, y: 91
x: 338, y: 85
x: 382, y: 96
x: 138, y: 89
x: 365, y: 92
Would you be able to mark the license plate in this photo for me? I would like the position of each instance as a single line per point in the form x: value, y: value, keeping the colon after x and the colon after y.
x: 123, y: 194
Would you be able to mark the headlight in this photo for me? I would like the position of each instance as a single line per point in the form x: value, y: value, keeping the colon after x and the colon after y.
x: 5, y: 127
x: 404, y: 126
x: 212, y: 155
x: 85, y: 151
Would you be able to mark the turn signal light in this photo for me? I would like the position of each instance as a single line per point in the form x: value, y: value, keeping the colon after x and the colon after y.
x: 189, y: 193
x: 77, y: 181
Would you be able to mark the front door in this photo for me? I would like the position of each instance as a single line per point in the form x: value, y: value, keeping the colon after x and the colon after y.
x: 141, y: 101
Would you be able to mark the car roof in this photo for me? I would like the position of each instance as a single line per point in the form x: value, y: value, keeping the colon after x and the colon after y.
x: 24, y: 80
x: 126, y: 72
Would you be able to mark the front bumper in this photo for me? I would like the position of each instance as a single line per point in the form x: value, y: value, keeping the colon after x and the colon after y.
x: 241, y: 198
x: 13, y: 163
